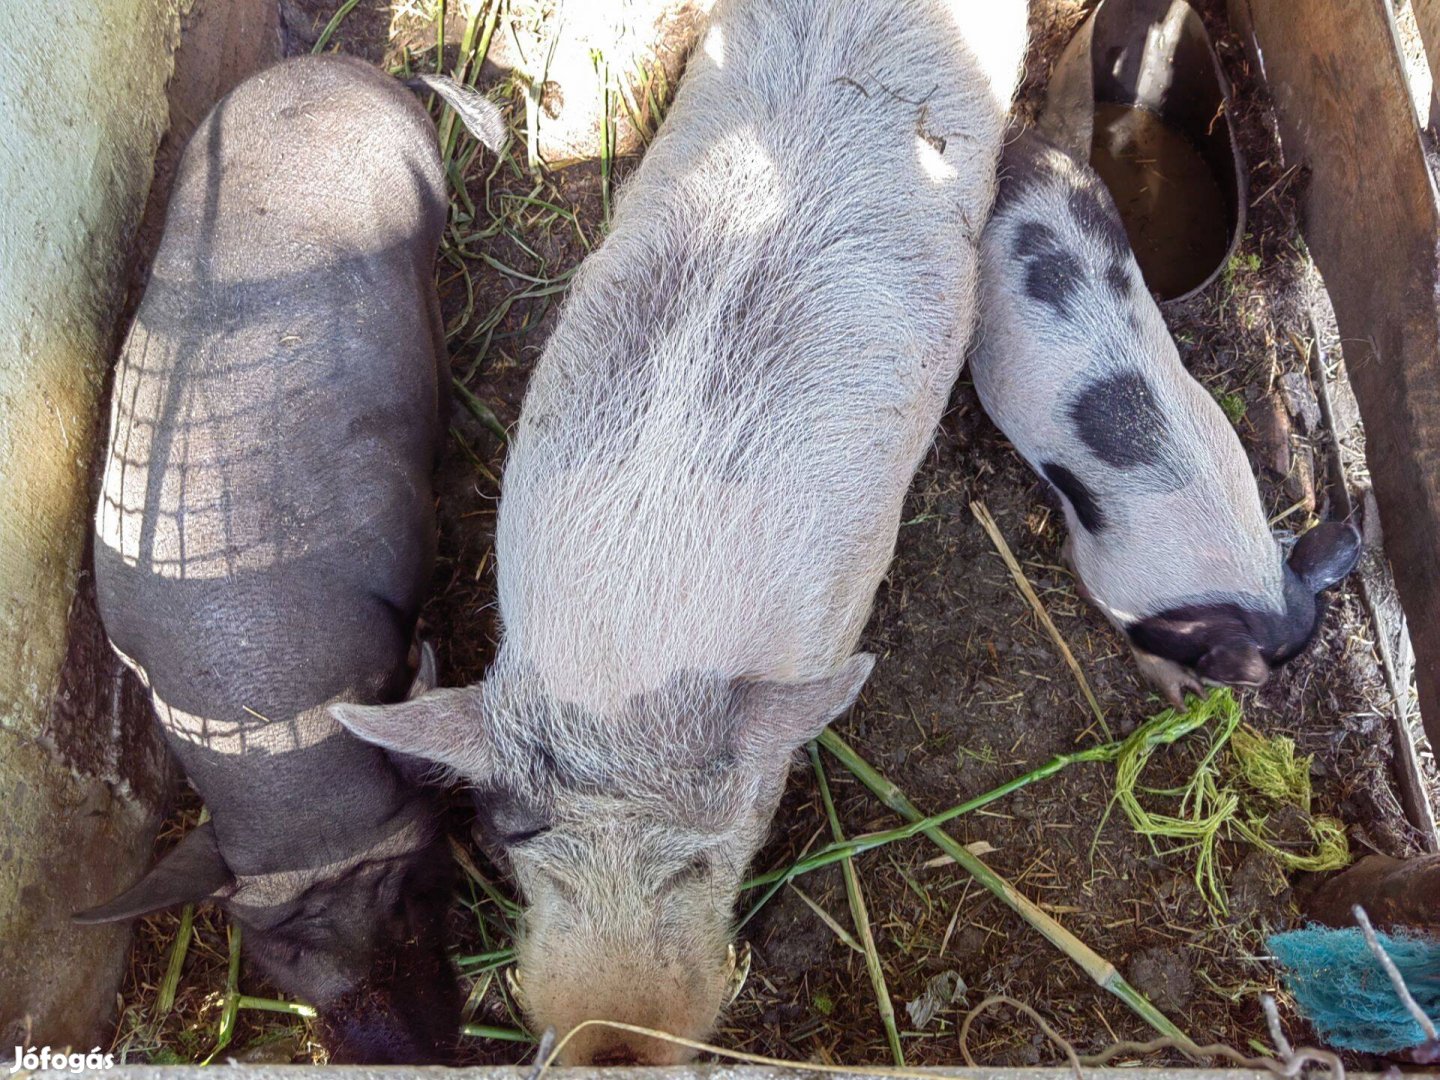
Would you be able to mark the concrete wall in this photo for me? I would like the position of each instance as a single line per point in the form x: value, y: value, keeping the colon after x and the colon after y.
x: 83, y: 777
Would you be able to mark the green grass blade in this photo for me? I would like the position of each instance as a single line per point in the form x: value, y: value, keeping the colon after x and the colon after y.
x: 485, y: 1031
x: 861, y: 917
x: 333, y: 25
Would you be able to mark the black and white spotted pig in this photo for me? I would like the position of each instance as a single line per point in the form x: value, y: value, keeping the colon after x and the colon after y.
x: 1167, y: 533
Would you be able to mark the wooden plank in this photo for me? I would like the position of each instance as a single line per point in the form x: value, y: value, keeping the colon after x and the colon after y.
x: 1427, y: 18
x: 1370, y: 219
x: 1377, y: 588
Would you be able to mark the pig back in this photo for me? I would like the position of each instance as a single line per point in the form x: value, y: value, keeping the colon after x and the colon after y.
x: 710, y: 464
x: 1077, y: 367
x: 265, y: 527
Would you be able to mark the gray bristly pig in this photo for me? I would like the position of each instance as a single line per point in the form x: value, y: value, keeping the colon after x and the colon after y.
x: 266, y: 530
x: 1074, y: 364
x: 705, y: 488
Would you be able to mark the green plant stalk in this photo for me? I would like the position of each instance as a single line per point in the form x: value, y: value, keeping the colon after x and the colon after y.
x: 486, y: 960
x: 482, y: 412
x: 293, y: 1008
x: 333, y: 25
x: 485, y: 1031
x: 833, y: 853
x: 633, y: 114
x: 607, y: 136
x: 1097, y: 967
x: 508, y: 907
x: 440, y: 13
x: 769, y: 894
x: 480, y: 466
x: 478, y: 989
x: 231, y: 1007
x: 861, y: 917
x: 165, y: 1000
x: 449, y: 123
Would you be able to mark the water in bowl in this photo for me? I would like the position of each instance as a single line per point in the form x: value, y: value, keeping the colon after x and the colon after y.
x: 1173, y: 211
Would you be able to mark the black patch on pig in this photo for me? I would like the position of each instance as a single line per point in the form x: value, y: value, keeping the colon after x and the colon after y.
x: 1118, y: 418
x: 1026, y: 162
x: 1118, y: 278
x: 1096, y: 214
x: 1034, y: 239
x: 1224, y: 638
x: 1054, y: 280
x: 1080, y: 497
x: 1053, y: 276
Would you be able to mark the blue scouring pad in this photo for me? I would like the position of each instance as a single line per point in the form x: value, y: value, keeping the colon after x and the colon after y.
x: 1342, y: 989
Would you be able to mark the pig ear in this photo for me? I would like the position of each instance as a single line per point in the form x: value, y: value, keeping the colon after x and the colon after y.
x: 1236, y: 663
x: 193, y: 872
x: 426, y: 673
x: 1325, y: 554
x: 416, y: 771
x: 779, y: 716
x: 444, y: 727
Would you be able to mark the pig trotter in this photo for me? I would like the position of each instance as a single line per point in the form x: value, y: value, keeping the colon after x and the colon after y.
x: 1169, y: 677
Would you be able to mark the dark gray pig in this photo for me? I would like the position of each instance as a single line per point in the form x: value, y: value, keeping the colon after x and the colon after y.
x: 266, y: 530
x: 1167, y: 533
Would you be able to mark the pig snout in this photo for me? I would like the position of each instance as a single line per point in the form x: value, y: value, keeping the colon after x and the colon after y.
x: 1241, y: 641
x: 597, y: 989
x: 631, y: 953
x: 401, y: 1025
x: 1173, y: 679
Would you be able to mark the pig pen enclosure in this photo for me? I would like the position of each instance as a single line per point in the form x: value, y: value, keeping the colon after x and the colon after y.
x: 971, y: 690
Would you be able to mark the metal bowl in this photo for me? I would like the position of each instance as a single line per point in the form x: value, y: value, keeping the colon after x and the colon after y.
x: 1139, y: 93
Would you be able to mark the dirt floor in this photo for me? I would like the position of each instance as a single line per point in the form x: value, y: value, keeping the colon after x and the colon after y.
x: 969, y: 691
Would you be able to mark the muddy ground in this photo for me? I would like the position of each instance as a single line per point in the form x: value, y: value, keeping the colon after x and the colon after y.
x: 969, y: 691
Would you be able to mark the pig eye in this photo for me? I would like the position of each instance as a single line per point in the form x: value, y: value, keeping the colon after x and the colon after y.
x: 508, y: 818
x: 562, y: 888
x: 697, y: 868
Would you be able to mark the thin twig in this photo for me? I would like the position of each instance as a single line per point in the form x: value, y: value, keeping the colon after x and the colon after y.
x: 547, y: 1061
x: 1050, y: 1033
x: 846, y: 938
x: 1396, y: 979
x: 987, y: 522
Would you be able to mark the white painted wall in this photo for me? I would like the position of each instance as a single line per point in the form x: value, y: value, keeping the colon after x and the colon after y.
x: 82, y: 109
